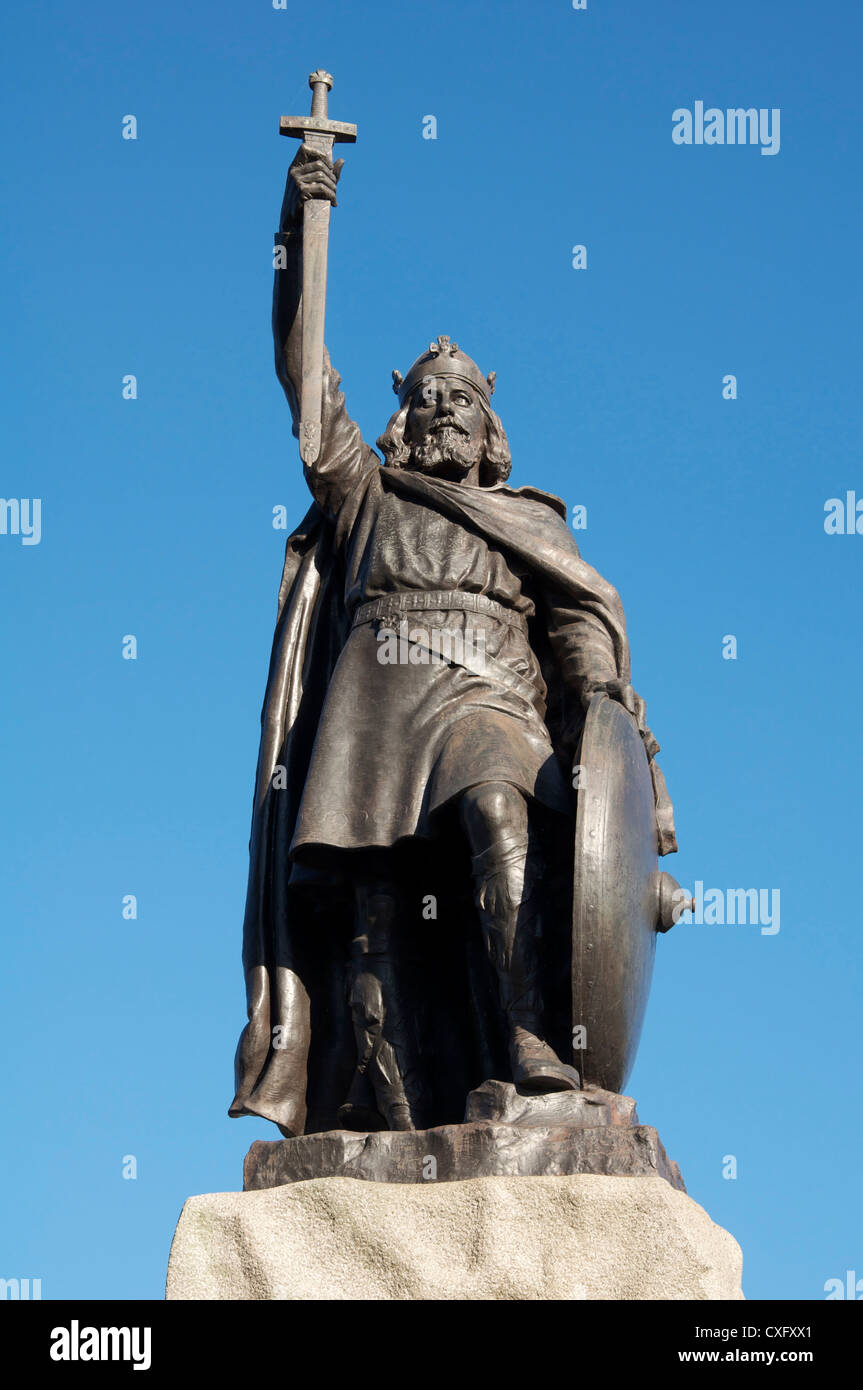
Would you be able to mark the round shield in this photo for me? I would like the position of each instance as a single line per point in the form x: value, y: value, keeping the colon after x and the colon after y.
x: 615, y: 895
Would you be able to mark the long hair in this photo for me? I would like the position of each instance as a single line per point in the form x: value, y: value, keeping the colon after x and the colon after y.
x: 496, y: 461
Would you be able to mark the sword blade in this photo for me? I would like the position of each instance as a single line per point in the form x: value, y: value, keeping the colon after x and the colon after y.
x: 316, y: 232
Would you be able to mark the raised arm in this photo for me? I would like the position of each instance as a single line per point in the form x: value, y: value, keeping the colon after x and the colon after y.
x: 344, y: 458
x: 311, y: 175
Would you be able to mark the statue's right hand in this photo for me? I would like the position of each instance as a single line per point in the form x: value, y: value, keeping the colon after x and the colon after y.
x: 311, y: 175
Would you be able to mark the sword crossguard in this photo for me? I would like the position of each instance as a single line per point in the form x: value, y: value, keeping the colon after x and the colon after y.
x: 318, y: 121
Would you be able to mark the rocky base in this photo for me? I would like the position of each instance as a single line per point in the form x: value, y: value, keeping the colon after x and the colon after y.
x: 505, y: 1134
x: 579, y: 1237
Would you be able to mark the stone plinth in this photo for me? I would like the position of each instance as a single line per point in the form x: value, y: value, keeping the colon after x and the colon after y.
x: 576, y: 1237
x: 505, y: 1134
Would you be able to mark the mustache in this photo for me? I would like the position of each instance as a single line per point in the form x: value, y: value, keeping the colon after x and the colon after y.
x: 448, y: 425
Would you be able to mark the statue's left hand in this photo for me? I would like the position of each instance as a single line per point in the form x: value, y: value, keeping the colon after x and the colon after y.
x: 618, y: 690
x: 623, y: 692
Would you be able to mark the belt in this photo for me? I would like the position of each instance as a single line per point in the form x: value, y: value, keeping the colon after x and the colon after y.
x: 391, y: 606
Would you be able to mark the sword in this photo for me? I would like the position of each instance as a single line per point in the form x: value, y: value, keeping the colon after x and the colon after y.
x: 319, y: 133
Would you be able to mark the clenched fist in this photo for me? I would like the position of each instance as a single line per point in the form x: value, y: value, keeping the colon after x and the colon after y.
x: 311, y: 175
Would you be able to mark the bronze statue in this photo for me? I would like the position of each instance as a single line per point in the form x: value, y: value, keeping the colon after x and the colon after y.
x: 434, y: 899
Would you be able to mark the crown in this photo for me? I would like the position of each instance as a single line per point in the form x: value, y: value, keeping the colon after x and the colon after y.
x: 444, y: 359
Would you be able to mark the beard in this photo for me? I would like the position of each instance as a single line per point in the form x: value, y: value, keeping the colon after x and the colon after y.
x: 446, y: 451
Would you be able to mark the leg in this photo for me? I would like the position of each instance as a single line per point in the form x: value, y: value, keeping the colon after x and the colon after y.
x: 506, y: 879
x: 385, y: 1076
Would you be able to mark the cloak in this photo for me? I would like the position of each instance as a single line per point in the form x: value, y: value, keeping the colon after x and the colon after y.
x: 296, y: 1055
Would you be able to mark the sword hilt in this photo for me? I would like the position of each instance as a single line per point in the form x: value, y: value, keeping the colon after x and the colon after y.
x: 318, y: 121
x: 320, y: 83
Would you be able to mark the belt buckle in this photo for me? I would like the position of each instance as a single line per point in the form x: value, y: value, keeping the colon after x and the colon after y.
x: 389, y: 617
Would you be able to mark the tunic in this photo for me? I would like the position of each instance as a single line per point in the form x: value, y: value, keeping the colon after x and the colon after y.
x: 397, y: 741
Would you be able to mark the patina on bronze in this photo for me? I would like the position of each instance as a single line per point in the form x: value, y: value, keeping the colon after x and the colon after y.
x: 430, y: 905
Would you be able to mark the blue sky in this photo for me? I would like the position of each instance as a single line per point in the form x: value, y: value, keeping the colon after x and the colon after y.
x: 154, y: 257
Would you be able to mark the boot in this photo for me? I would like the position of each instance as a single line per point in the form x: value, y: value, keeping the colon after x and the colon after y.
x: 378, y: 1097
x: 506, y: 878
x: 360, y: 1111
x: 535, y: 1064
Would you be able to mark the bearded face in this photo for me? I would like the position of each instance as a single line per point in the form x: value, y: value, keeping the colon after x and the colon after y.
x: 446, y: 430
x: 447, y: 450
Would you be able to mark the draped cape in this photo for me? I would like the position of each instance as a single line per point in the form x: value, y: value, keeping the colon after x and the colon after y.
x: 295, y: 1055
